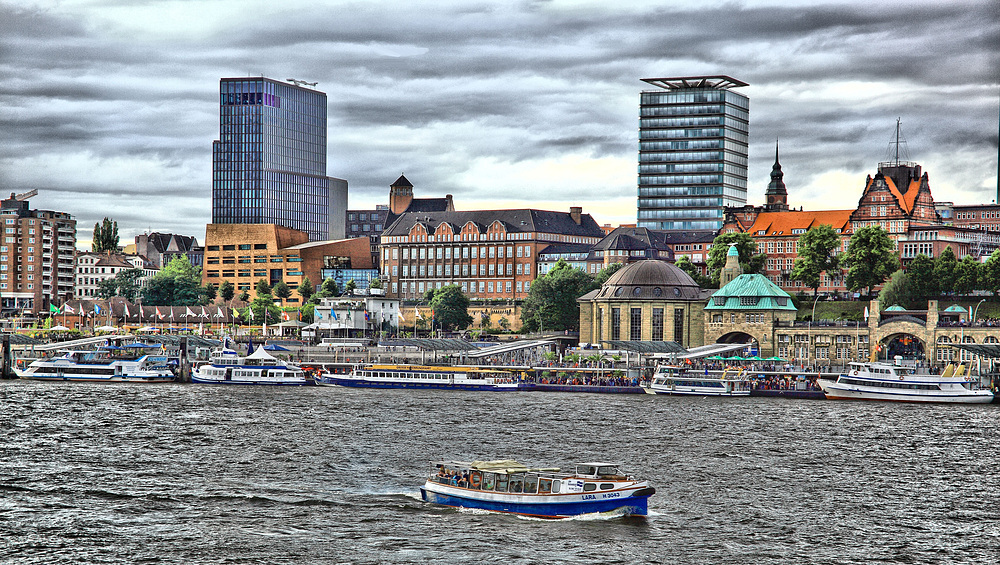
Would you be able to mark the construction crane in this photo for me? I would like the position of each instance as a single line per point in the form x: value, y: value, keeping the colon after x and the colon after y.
x: 298, y: 82
x: 26, y: 195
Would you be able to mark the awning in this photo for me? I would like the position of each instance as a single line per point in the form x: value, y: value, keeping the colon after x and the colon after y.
x: 991, y: 350
x: 509, y: 347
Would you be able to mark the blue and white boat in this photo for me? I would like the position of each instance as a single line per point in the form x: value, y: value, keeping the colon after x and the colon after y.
x: 673, y: 380
x: 227, y: 366
x: 420, y: 376
x: 508, y: 486
x: 110, y: 364
x: 896, y: 382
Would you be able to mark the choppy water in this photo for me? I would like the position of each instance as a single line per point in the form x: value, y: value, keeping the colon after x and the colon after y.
x: 97, y: 473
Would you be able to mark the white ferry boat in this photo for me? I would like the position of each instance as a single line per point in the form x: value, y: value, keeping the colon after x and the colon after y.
x: 420, y: 376
x: 888, y: 381
x: 670, y: 379
x: 109, y: 364
x: 508, y: 486
x: 226, y: 366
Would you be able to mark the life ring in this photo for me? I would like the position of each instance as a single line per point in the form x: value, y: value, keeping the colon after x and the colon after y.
x: 900, y: 377
x: 854, y: 372
x: 475, y: 479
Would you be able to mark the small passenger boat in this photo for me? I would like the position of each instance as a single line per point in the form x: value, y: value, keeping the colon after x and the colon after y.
x: 508, y: 486
x: 887, y: 381
x: 420, y: 376
x: 226, y: 366
x: 109, y: 364
x: 669, y: 379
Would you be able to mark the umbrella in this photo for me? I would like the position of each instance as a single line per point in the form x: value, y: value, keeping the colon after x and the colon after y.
x: 775, y: 358
x: 106, y: 329
x: 716, y: 358
x: 754, y: 358
x: 59, y: 328
x: 273, y: 347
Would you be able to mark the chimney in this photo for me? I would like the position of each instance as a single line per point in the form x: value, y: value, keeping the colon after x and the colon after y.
x: 450, y: 207
x: 575, y: 212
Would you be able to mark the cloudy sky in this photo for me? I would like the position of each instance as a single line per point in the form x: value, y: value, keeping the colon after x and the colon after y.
x: 109, y: 107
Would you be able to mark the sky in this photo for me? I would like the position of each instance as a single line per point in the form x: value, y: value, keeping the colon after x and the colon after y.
x: 109, y: 107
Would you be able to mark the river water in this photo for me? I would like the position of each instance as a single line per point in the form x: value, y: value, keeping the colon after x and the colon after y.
x: 99, y: 473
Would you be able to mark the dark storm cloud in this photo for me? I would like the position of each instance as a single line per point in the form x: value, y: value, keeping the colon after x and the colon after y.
x: 434, y: 91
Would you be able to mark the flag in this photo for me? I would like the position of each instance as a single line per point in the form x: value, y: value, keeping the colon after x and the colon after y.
x: 53, y: 309
x: 250, y: 311
x: 97, y: 309
x: 127, y: 314
x: 219, y: 313
x: 158, y: 313
x: 333, y: 315
x: 866, y: 313
x: 416, y: 313
x: 286, y: 316
x: 382, y: 314
x: 204, y: 313
x: 401, y: 318
x: 189, y: 313
x: 171, y: 312
x: 366, y: 316
x: 68, y: 309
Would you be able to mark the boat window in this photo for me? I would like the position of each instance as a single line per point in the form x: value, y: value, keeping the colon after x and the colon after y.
x: 555, y: 486
x: 609, y: 470
x: 489, y: 480
x: 586, y: 470
x: 606, y: 486
x: 530, y: 483
x: 516, y: 481
x: 501, y: 482
x: 544, y: 485
x: 589, y: 487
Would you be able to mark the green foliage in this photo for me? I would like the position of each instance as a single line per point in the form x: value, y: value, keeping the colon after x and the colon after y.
x: 328, y: 289
x: 504, y: 323
x: 308, y: 311
x: 105, y: 237
x: 349, y: 287
x: 227, y: 291
x: 684, y: 263
x: 485, y: 321
x: 177, y: 284
x: 896, y: 291
x: 967, y: 275
x: 990, y: 275
x: 210, y: 292
x: 920, y: 273
x: 305, y: 289
x: 551, y: 303
x: 375, y: 283
x: 871, y: 258
x: 243, y: 296
x: 262, y: 287
x: 107, y: 288
x: 750, y: 259
x: 451, y: 308
x: 263, y: 305
x: 944, y: 270
x: 816, y: 254
x: 282, y: 290
x: 604, y: 274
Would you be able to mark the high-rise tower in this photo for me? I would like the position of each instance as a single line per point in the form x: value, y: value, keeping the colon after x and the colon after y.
x: 692, y: 152
x: 269, y: 163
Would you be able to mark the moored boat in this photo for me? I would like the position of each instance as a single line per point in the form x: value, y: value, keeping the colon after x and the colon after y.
x: 669, y: 379
x: 226, y: 366
x: 894, y: 382
x: 508, y: 486
x: 106, y: 364
x: 421, y: 376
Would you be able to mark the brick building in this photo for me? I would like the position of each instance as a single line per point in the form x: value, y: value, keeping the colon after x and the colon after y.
x: 490, y: 254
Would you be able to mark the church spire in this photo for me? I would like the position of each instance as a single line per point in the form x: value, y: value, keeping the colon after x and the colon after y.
x: 776, y: 196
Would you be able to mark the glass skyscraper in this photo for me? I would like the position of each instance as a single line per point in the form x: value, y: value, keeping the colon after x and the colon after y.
x: 692, y: 152
x: 269, y: 163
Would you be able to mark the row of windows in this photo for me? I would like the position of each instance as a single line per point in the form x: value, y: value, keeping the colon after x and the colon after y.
x: 468, y: 287
x: 449, y: 252
x: 467, y: 270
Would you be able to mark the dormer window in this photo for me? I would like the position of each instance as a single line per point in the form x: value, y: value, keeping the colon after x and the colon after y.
x: 749, y: 300
x: 719, y: 300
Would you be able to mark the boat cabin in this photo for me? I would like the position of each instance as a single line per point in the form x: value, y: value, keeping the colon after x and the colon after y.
x: 508, y: 476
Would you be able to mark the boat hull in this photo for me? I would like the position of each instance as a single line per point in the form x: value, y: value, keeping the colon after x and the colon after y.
x: 833, y: 391
x: 634, y: 503
x: 210, y: 381
x: 696, y: 392
x: 100, y: 379
x: 411, y: 384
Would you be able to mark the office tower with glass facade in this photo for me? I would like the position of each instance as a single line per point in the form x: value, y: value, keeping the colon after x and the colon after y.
x: 692, y: 152
x: 269, y: 163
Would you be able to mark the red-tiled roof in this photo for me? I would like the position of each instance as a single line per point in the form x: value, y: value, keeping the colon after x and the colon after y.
x: 782, y: 223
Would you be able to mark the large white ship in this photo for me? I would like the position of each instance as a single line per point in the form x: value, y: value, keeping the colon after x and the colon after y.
x: 894, y: 382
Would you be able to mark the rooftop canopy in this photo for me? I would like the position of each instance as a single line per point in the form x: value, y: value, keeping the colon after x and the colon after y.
x: 679, y: 83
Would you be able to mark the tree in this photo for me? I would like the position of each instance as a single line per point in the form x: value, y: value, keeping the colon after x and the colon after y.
x: 750, y: 260
x: 816, y: 253
x: 262, y: 287
x: 967, y: 275
x: 328, y: 289
x: 504, y: 323
x: 896, y: 291
x: 177, y: 284
x: 485, y: 320
x: 920, y: 273
x: 684, y: 263
x: 375, y: 283
x: 227, y: 291
x: 349, y: 287
x: 944, y: 270
x: 551, y: 303
x: 305, y: 289
x: 210, y: 292
x: 105, y: 237
x: 604, y: 274
x: 244, y: 296
x: 871, y: 257
x: 107, y: 288
x: 263, y: 307
x: 451, y: 308
x: 282, y: 291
